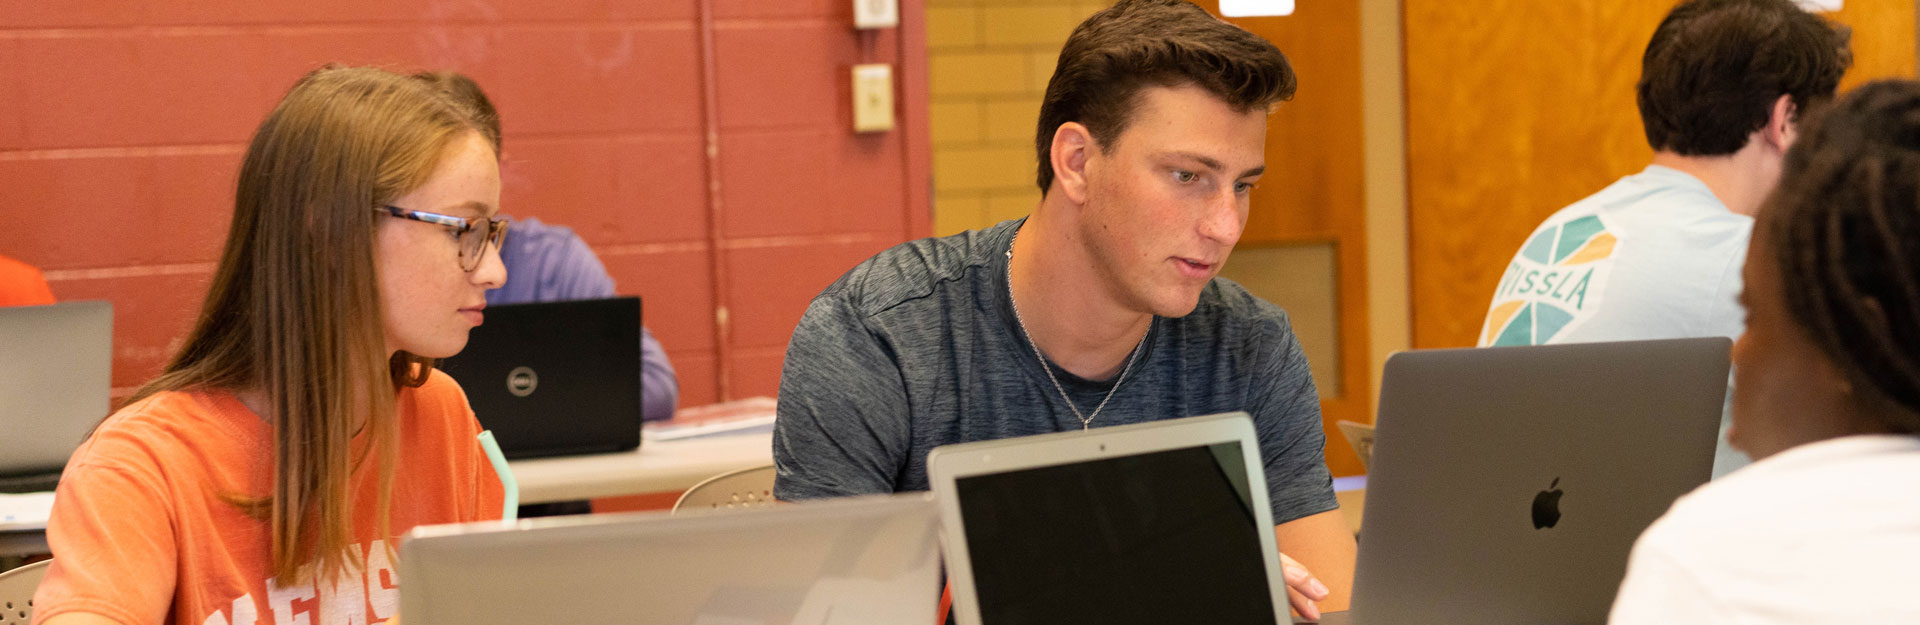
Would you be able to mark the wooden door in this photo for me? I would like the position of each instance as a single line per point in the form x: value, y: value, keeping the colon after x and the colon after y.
x: 1516, y: 108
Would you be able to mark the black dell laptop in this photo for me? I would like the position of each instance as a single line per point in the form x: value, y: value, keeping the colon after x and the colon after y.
x: 555, y: 378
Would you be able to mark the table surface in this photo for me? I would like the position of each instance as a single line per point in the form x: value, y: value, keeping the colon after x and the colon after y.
x: 660, y: 464
x: 656, y: 467
x: 1352, y: 493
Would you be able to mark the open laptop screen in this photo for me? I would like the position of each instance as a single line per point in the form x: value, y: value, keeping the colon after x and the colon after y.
x: 556, y: 378
x: 1161, y: 537
x: 55, y: 365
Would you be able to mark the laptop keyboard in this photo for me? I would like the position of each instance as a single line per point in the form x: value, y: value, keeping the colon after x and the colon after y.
x: 30, y: 483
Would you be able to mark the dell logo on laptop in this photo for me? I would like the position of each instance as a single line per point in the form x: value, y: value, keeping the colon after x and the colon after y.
x: 521, y: 381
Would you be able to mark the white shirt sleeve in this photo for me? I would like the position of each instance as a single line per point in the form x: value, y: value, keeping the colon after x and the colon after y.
x: 1659, y: 589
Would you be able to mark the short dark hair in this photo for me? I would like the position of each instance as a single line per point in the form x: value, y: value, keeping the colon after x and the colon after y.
x: 1135, y: 44
x: 465, y: 92
x: 1844, y: 230
x: 1714, y: 68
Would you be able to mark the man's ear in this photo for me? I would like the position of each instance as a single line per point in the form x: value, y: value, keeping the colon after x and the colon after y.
x: 1072, y: 143
x: 1783, y: 124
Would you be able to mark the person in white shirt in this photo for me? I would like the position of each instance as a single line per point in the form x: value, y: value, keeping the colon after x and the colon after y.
x: 1657, y: 254
x: 1824, y: 527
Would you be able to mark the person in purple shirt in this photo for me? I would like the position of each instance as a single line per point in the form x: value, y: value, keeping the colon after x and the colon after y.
x: 549, y: 263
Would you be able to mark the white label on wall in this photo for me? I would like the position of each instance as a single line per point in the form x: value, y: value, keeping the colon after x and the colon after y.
x: 876, y: 13
x: 1260, y: 8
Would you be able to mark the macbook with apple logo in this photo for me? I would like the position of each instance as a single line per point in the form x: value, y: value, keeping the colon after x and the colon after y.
x: 848, y: 561
x: 1508, y: 484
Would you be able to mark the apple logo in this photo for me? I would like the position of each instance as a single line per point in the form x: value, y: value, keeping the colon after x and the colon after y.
x: 1546, y: 506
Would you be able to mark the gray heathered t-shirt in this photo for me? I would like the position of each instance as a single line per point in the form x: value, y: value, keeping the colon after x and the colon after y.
x: 918, y: 347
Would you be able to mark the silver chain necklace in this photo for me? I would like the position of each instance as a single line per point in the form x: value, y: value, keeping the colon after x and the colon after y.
x: 1086, y: 420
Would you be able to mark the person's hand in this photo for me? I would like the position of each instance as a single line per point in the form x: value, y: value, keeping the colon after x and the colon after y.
x: 1303, y: 590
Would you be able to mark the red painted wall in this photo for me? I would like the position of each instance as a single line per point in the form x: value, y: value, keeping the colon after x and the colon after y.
x: 122, y: 124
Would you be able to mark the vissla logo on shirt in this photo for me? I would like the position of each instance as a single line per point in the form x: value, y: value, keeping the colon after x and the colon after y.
x: 1554, y: 285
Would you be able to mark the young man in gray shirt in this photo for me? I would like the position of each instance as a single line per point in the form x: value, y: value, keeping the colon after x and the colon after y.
x: 1101, y: 308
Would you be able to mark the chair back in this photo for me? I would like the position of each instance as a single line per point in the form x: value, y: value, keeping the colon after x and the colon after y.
x: 743, y: 488
x: 1360, y: 436
x: 16, y: 592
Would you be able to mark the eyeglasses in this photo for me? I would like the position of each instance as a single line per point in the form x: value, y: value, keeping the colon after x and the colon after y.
x: 472, y: 238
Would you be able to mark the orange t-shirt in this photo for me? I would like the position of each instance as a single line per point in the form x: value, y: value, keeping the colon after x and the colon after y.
x: 22, y: 285
x: 140, y: 534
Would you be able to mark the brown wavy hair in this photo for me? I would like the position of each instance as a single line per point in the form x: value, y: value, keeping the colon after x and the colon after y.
x: 1123, y: 49
x: 294, y: 310
x: 1714, y: 68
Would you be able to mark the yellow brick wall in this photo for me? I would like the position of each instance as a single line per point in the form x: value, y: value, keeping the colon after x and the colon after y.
x: 989, y: 61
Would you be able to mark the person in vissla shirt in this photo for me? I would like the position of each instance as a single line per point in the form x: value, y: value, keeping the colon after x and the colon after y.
x: 1656, y: 255
x: 1824, y: 526
x: 549, y: 263
x: 1101, y: 308
x: 266, y: 474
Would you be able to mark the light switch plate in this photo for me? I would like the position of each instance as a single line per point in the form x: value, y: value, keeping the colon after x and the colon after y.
x: 876, y: 13
x: 872, y: 97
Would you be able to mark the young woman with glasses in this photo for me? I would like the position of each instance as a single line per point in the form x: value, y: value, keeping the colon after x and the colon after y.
x: 264, y: 475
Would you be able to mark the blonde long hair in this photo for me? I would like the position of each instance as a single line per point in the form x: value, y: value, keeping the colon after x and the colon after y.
x: 294, y: 311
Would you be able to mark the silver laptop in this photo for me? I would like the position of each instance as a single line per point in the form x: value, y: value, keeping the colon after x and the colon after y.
x: 858, y: 561
x: 55, y: 366
x: 1164, y: 522
x: 1509, y: 483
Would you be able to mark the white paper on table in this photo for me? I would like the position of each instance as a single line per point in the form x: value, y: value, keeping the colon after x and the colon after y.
x: 25, y: 510
x: 716, y: 427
